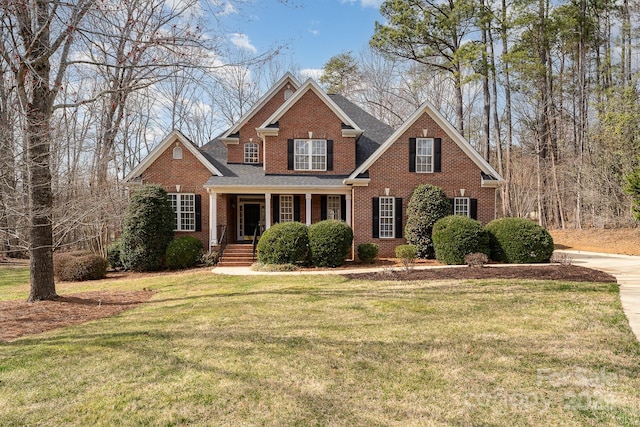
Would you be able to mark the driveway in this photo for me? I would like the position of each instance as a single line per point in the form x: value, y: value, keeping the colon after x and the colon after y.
x: 626, y: 269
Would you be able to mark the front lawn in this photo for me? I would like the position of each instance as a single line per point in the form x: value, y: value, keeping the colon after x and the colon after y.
x: 324, y: 350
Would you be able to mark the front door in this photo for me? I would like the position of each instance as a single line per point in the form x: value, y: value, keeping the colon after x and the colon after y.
x: 251, y: 219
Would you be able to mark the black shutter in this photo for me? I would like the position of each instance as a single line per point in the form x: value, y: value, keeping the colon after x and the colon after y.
x: 375, y: 211
x: 412, y: 154
x: 473, y: 213
x: 437, y: 155
x: 329, y: 155
x: 398, y: 218
x: 198, y: 208
x: 452, y: 209
x: 276, y: 209
x: 296, y: 208
x: 343, y: 208
x: 323, y: 208
x: 290, y: 154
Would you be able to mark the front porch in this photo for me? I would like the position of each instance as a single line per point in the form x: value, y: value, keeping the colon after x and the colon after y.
x: 238, y: 217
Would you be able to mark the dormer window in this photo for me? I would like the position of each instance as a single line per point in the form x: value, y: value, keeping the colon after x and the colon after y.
x: 251, y: 152
x: 177, y: 153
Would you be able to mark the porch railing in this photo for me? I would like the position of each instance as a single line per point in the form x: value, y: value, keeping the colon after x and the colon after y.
x: 260, y: 229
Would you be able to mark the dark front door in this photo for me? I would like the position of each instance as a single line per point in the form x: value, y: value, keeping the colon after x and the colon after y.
x: 251, y: 219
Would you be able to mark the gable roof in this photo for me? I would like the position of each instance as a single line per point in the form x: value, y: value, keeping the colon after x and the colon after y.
x: 174, y: 135
x: 375, y: 132
x: 488, y: 174
x: 288, y: 78
x: 270, y: 126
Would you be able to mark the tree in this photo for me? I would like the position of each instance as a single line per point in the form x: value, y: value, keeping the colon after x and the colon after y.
x: 38, y: 34
x: 432, y: 33
x: 340, y: 74
x: 633, y: 189
x: 147, y: 229
x: 428, y: 203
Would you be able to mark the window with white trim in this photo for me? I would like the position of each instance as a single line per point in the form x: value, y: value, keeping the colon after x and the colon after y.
x: 310, y: 154
x: 334, y: 207
x: 424, y: 155
x: 184, y: 209
x: 286, y: 208
x: 461, y: 206
x: 387, y: 217
x: 177, y: 153
x: 251, y: 152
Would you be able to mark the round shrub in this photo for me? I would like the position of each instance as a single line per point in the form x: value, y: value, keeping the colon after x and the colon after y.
x: 147, y: 229
x: 183, y: 252
x: 329, y: 243
x: 113, y: 255
x: 407, y: 254
x: 519, y: 241
x: 428, y: 203
x: 455, y: 236
x: 367, y: 252
x: 79, y: 266
x: 283, y: 243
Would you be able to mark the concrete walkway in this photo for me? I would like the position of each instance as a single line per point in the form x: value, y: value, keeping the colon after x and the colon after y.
x: 626, y: 269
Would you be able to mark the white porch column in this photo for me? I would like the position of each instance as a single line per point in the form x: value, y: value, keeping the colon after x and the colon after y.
x: 267, y: 210
x: 308, y: 208
x: 348, y: 208
x: 213, y: 219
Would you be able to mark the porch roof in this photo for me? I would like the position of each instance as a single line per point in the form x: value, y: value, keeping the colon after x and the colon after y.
x: 254, y: 177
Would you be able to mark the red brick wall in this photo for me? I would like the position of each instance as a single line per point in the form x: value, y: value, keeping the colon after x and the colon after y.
x: 235, y: 153
x: 187, y: 172
x: 391, y: 171
x: 310, y: 114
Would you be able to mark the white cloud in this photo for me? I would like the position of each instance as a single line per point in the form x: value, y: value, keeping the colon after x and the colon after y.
x: 242, y: 41
x: 314, y: 73
x: 365, y: 3
x: 224, y: 8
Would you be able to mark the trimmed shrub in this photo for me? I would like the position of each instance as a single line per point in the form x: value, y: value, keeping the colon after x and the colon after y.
x: 427, y: 204
x: 147, y: 229
x: 329, y: 243
x: 283, y: 243
x: 183, y: 252
x: 79, y: 266
x: 113, y: 255
x: 455, y: 236
x: 367, y: 252
x: 407, y: 254
x: 519, y: 241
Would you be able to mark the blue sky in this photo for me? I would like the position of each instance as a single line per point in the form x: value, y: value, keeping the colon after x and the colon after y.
x: 312, y: 31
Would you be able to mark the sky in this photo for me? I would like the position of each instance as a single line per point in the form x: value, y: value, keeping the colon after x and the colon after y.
x: 311, y: 31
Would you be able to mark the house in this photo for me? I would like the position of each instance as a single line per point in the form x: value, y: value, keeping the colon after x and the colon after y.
x: 303, y: 155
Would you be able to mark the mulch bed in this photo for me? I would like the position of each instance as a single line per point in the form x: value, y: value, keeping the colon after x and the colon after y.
x: 18, y: 318
x: 570, y: 273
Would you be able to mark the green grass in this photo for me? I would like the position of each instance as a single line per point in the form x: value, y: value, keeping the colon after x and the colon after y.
x: 323, y: 350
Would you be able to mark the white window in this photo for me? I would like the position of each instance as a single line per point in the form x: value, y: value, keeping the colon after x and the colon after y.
x: 286, y: 208
x: 177, y: 153
x: 310, y: 154
x: 333, y: 207
x: 461, y: 206
x: 387, y: 219
x: 424, y: 155
x: 184, y: 209
x: 251, y: 152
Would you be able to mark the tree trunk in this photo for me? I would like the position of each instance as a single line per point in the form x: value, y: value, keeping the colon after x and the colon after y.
x: 38, y: 136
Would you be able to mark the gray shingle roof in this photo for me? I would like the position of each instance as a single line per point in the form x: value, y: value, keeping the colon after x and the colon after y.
x: 375, y: 133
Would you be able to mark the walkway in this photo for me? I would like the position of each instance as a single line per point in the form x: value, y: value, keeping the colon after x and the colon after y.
x: 626, y: 269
